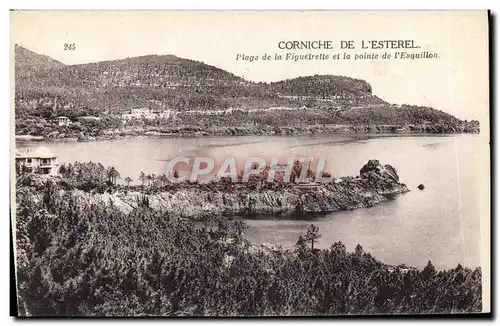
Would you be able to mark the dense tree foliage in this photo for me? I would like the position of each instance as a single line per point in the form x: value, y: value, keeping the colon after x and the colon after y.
x: 324, y: 86
x: 87, y: 176
x: 76, y: 258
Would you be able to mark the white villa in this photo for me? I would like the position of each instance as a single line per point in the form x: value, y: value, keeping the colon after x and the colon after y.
x: 63, y: 121
x: 39, y: 160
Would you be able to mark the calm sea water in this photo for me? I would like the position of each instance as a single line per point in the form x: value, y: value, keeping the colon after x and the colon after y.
x: 440, y: 223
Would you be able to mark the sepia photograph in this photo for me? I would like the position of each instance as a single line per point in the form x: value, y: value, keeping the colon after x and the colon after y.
x: 250, y: 163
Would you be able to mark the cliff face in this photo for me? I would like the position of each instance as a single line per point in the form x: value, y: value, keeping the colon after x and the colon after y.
x: 374, y: 185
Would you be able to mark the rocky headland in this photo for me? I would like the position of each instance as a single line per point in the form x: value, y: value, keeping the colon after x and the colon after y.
x: 375, y: 183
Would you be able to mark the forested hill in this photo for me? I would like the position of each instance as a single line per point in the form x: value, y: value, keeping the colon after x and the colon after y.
x: 151, y: 71
x: 188, y: 84
x: 124, y: 83
x: 28, y: 62
x: 200, y: 96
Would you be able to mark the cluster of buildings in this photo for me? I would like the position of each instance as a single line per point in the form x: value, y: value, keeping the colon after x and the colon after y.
x: 65, y: 121
x: 235, y: 110
x: 147, y: 113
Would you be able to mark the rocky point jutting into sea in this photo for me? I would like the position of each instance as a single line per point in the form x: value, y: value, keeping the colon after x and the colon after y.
x: 374, y: 184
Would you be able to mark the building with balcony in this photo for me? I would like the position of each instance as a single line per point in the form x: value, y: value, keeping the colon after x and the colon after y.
x: 63, y: 121
x: 37, y: 160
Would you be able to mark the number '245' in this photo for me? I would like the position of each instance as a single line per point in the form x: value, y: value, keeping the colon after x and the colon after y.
x: 69, y: 46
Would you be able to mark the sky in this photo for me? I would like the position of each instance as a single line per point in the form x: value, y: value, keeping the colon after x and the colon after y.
x: 456, y: 82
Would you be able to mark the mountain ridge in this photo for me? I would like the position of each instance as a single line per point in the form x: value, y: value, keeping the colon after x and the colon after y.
x: 161, y: 64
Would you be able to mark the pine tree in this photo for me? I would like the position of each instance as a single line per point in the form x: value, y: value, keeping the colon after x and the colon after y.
x: 128, y: 180
x: 312, y: 235
x: 429, y: 271
x: 358, y: 251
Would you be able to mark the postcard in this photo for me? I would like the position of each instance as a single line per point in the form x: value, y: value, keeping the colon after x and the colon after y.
x: 250, y: 163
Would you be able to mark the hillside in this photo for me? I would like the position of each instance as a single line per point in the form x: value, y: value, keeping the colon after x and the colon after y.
x: 27, y: 61
x: 198, y: 95
x: 181, y: 83
x: 151, y: 71
x: 323, y: 85
x: 122, y: 83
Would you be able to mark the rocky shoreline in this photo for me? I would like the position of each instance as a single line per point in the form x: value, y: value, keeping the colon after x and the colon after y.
x: 375, y: 184
x: 252, y: 130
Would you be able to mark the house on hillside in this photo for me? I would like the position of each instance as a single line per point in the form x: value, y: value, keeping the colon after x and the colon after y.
x: 39, y: 160
x: 90, y: 118
x: 139, y: 111
x: 63, y: 121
